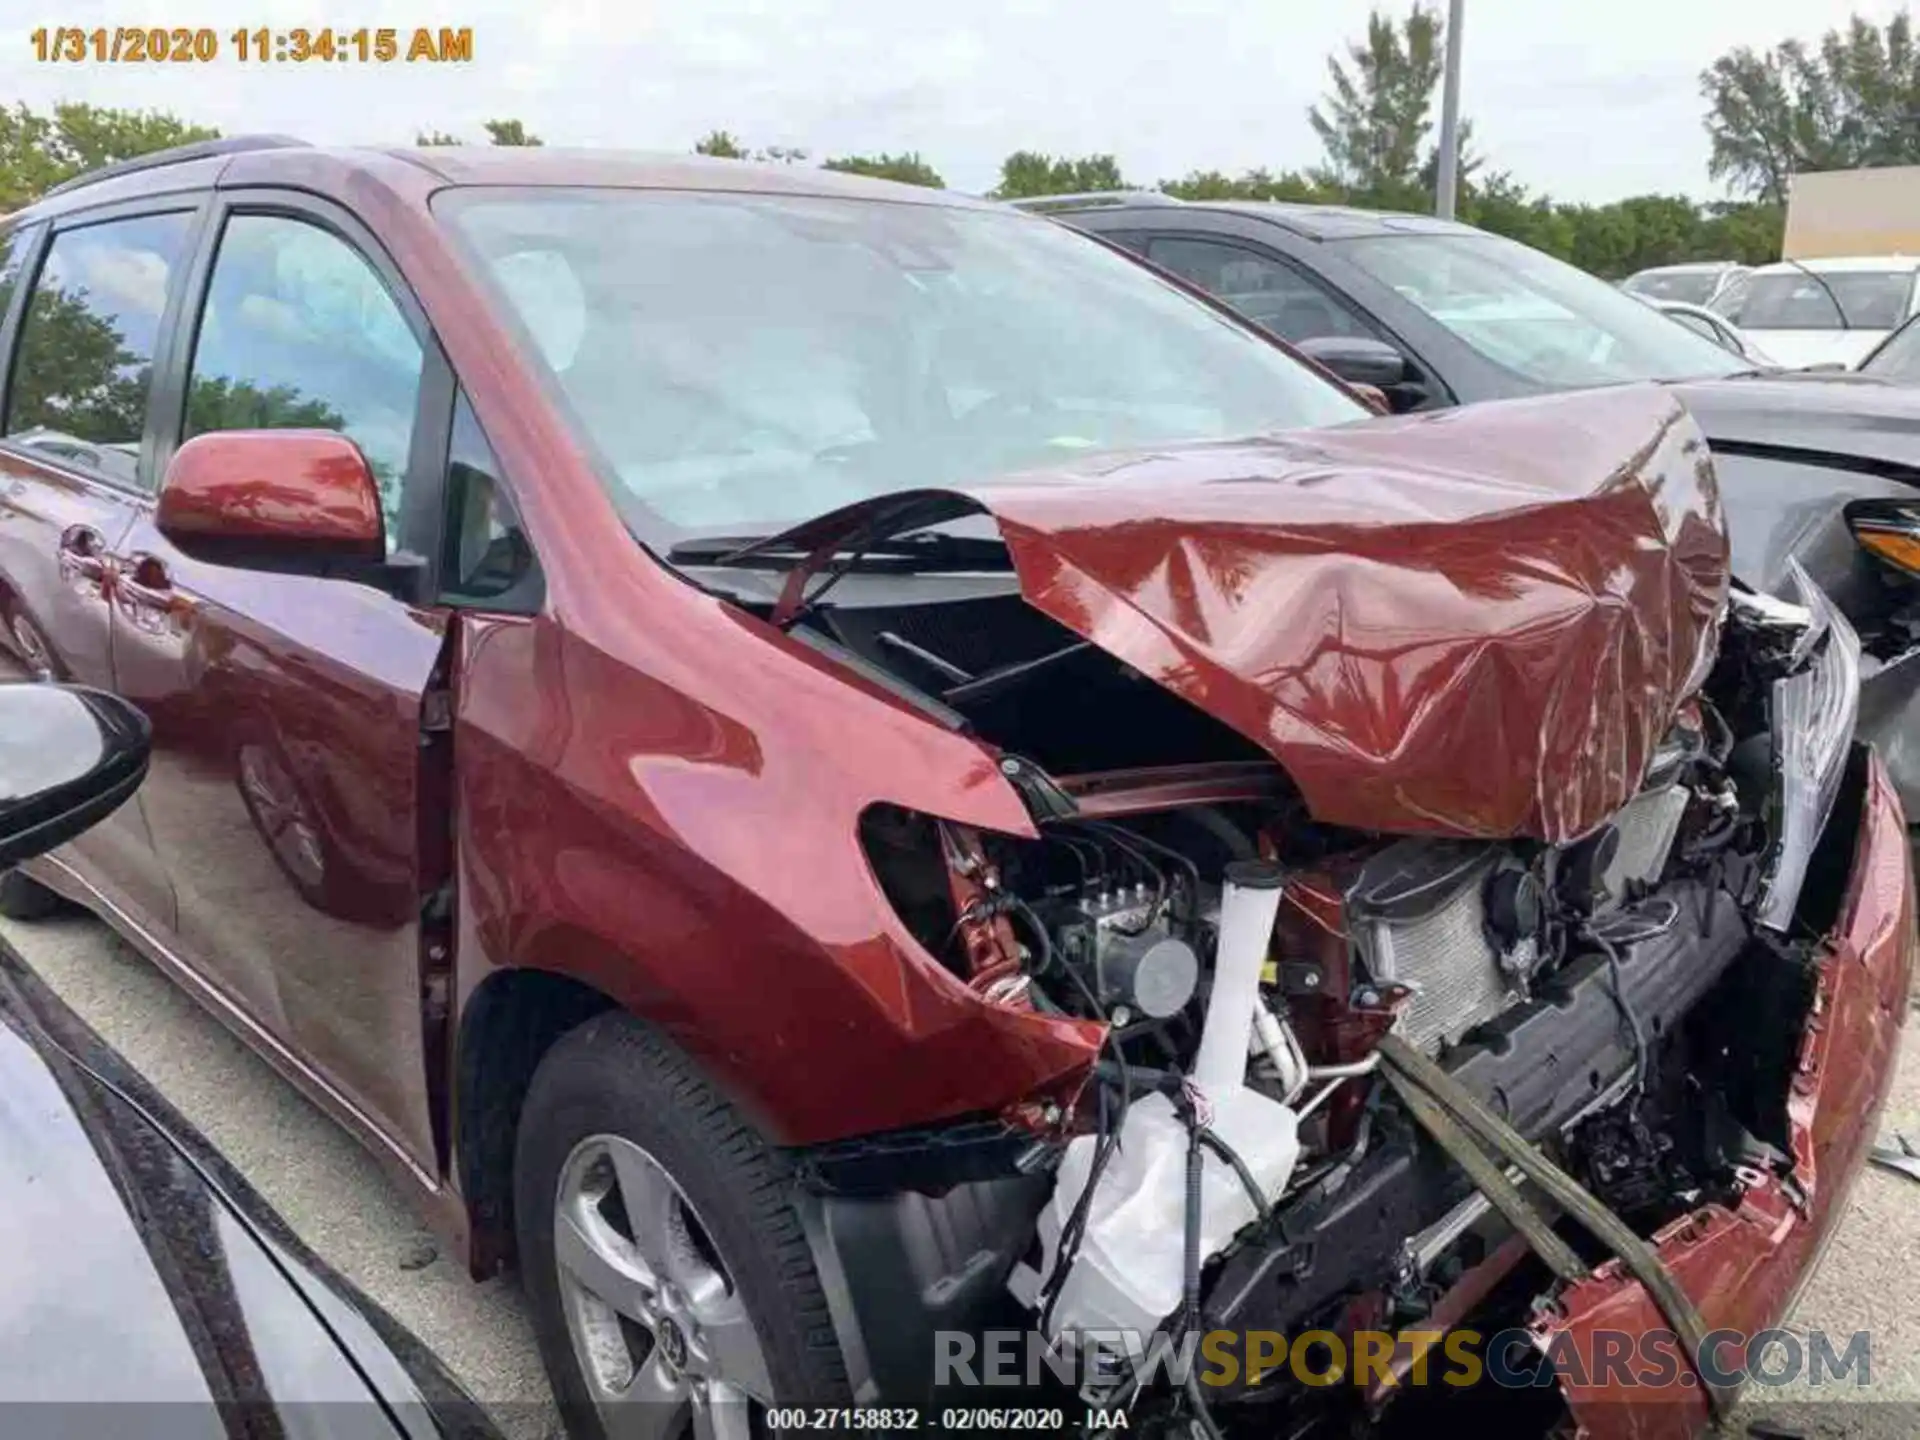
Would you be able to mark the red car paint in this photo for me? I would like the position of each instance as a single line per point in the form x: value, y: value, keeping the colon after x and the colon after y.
x: 1743, y: 1267
x: 309, y: 484
x: 654, y: 794
x: 1382, y: 608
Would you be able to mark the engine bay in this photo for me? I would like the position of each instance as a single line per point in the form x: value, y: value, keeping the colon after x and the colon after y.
x: 1626, y: 1001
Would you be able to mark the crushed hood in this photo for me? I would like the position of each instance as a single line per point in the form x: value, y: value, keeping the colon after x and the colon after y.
x: 1478, y: 622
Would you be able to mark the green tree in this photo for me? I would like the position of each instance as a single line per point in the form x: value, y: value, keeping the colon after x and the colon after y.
x: 723, y: 145
x: 1027, y: 173
x: 499, y: 132
x: 1258, y: 184
x: 1471, y: 164
x: 1375, y: 122
x: 39, y: 151
x: 1852, y: 100
x: 509, y: 132
x: 908, y: 168
x: 75, y: 373
x: 1503, y: 205
x: 1749, y: 231
x: 720, y: 144
x: 218, y: 402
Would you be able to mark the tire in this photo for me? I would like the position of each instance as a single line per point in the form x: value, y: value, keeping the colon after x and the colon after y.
x: 30, y: 645
x: 611, y: 1104
x: 24, y: 898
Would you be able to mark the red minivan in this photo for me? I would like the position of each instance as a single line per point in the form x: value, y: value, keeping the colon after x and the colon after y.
x: 830, y: 767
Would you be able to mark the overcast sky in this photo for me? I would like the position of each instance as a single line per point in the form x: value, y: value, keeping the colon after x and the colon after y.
x: 1584, y: 100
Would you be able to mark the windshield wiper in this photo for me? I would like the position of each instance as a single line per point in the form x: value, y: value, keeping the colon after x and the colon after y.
x: 1820, y: 280
x: 920, y: 550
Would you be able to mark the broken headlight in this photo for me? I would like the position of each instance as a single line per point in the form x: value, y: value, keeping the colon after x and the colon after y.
x: 1812, y: 712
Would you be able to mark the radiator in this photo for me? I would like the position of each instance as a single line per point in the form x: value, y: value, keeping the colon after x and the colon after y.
x: 1647, y: 826
x: 1418, y: 917
x: 1447, y: 964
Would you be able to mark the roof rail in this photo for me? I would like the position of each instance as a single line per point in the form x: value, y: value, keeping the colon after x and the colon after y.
x: 178, y: 155
x: 1093, y: 199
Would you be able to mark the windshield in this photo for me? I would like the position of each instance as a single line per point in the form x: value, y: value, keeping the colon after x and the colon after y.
x: 1797, y: 300
x: 1545, y: 321
x: 745, y: 361
x: 1695, y: 287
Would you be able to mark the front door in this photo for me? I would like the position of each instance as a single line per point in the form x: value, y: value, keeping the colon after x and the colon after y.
x: 74, y: 474
x: 287, y: 710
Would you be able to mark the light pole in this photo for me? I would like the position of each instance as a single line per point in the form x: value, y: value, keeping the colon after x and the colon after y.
x: 1448, y: 186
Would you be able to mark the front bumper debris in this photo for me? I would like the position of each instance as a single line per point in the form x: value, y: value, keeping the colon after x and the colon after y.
x: 1743, y: 1267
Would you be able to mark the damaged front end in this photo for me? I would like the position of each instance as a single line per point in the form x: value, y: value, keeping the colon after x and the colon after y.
x: 1323, y: 747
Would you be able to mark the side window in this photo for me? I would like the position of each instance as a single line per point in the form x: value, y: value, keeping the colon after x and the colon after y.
x: 13, y: 248
x: 1132, y: 240
x: 299, y: 332
x: 1265, y: 290
x: 487, y: 554
x: 84, y: 362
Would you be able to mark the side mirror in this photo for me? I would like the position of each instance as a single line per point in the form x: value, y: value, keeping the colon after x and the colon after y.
x: 1358, y: 359
x: 1889, y: 531
x: 69, y: 757
x: 299, y: 501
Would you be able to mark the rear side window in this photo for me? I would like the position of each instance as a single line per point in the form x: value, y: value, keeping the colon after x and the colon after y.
x: 1263, y: 289
x: 84, y: 363
x: 299, y: 332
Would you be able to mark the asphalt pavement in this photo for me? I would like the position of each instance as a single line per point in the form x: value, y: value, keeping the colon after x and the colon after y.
x: 343, y: 1205
x: 329, y: 1189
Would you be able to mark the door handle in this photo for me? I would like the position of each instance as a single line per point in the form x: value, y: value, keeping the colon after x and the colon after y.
x: 143, y: 580
x: 82, y: 552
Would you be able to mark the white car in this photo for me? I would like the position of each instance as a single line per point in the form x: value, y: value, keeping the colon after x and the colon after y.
x: 1718, y: 285
x: 1713, y: 326
x: 1831, y: 311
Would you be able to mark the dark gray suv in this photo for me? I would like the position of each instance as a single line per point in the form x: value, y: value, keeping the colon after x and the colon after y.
x: 1432, y: 312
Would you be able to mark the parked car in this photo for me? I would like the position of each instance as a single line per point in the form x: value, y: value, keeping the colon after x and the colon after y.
x: 142, y: 1271
x: 720, y: 717
x: 1830, y: 311
x: 1717, y: 328
x: 1717, y: 285
x: 1433, y: 312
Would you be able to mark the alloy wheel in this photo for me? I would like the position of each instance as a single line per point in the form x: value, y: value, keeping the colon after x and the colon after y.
x: 660, y: 1331
x: 32, y: 647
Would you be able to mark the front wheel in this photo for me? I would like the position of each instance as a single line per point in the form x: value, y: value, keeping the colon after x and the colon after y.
x: 671, y: 1285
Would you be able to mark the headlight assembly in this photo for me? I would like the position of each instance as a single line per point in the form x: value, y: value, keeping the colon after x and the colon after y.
x: 1813, y: 712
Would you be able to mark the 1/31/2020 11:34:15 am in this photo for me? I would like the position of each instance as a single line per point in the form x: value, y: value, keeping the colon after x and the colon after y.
x: 182, y: 45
